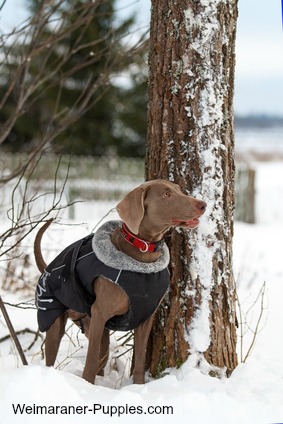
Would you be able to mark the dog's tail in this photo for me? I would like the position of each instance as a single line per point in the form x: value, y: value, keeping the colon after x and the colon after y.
x: 41, y: 265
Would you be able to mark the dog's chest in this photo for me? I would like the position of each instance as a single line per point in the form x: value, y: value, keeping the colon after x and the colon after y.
x: 144, y: 290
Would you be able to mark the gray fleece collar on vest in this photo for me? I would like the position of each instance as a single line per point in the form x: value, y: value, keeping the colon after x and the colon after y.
x: 109, y: 255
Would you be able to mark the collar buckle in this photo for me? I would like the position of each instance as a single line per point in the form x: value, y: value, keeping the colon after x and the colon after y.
x: 146, y: 247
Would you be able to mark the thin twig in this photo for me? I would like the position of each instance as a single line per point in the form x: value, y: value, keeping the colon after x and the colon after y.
x: 261, y: 294
x: 244, y: 325
x: 21, y: 305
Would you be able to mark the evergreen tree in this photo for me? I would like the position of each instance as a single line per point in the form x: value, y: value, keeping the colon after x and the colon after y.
x: 90, y: 48
x: 131, y: 119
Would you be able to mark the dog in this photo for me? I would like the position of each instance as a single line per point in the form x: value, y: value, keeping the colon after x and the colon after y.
x: 116, y: 278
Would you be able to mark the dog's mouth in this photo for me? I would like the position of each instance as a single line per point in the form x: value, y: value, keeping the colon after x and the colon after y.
x: 188, y: 223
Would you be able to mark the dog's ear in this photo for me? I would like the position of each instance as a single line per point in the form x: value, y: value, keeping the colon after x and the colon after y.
x: 131, y: 209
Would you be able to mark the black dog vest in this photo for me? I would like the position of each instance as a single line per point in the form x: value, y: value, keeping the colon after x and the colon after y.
x: 67, y: 283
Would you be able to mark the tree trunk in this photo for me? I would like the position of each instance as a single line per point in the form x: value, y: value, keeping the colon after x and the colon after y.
x: 191, y: 142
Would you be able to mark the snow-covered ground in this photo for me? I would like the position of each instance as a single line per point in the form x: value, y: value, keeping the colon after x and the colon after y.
x: 254, y: 392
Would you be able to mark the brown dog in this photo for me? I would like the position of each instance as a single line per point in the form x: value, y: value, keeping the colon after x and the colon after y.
x: 147, y: 213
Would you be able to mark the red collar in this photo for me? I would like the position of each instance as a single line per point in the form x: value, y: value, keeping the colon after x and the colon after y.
x: 142, y: 245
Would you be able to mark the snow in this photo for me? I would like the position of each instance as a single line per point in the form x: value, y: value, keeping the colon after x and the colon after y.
x: 253, y: 393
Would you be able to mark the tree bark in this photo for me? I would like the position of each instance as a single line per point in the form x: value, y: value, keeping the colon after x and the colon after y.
x: 191, y: 142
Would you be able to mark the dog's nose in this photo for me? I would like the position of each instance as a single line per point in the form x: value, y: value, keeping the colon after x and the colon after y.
x: 201, y: 206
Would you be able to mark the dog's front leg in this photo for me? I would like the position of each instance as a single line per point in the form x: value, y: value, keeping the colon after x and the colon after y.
x: 104, y: 351
x: 141, y: 338
x: 96, y: 329
x: 110, y: 300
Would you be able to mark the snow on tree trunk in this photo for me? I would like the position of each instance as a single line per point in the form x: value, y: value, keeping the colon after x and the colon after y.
x: 191, y: 142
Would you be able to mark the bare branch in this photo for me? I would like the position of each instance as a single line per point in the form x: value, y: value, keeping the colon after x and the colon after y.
x: 246, y: 326
x: 20, y: 216
x: 2, y: 5
x: 22, y: 305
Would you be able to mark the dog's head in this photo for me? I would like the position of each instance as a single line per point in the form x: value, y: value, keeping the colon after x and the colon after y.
x: 161, y: 203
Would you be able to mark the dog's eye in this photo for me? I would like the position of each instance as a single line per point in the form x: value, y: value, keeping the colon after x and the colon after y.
x: 166, y: 194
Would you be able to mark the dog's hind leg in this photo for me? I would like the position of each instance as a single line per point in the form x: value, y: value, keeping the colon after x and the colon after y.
x: 53, y: 338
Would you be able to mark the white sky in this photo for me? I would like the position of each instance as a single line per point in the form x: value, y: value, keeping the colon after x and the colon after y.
x: 259, y: 68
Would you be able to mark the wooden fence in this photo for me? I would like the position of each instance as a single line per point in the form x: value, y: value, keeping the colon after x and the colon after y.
x: 245, y: 194
x: 107, y: 168
x: 109, y: 178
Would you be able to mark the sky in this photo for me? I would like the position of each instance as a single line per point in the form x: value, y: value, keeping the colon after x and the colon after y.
x: 259, y: 50
x: 259, y: 56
